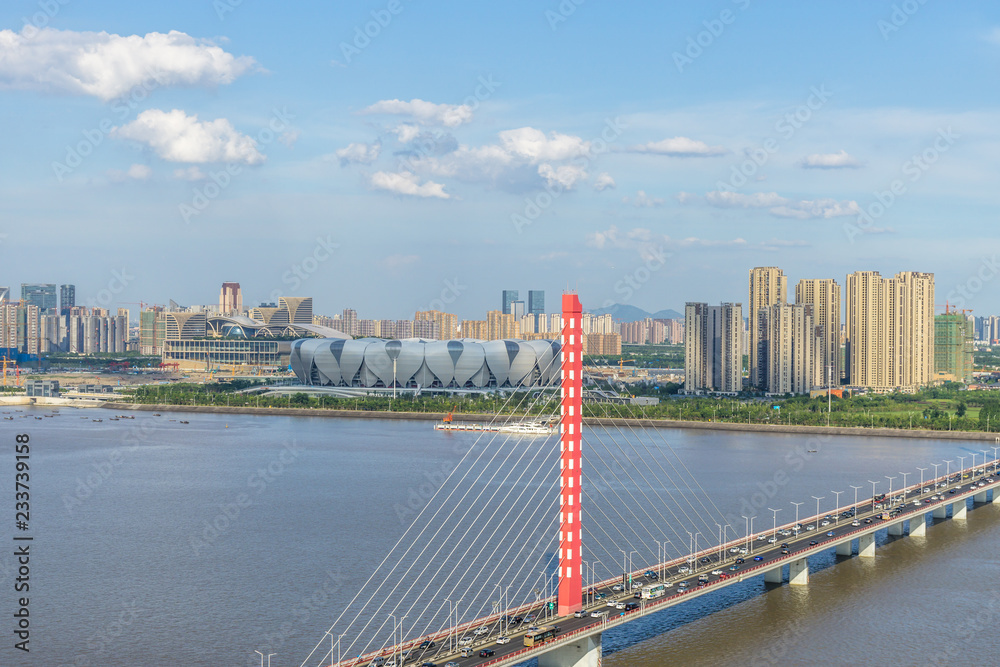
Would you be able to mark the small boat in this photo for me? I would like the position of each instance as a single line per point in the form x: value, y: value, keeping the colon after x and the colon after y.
x: 185, y: 422
x: 157, y: 414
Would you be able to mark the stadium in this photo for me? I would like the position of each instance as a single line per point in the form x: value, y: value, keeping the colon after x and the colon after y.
x: 415, y: 363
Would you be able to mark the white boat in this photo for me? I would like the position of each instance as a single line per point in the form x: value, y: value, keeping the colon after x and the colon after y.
x: 536, y: 427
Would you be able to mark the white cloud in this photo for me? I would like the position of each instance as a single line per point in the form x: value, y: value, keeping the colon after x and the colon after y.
x: 406, y: 132
x: 177, y: 137
x: 645, y: 241
x: 137, y: 172
x: 425, y: 113
x: 407, y: 183
x: 109, y: 66
x: 604, y: 181
x: 838, y: 160
x: 565, y: 175
x: 642, y: 200
x: 289, y: 138
x: 189, y: 174
x: 358, y: 153
x: 779, y: 206
x: 535, y: 146
x: 679, y: 147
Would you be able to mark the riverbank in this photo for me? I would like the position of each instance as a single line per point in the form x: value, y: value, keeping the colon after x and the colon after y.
x: 588, y: 421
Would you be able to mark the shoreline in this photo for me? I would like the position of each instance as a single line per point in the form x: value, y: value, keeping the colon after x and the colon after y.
x: 588, y: 421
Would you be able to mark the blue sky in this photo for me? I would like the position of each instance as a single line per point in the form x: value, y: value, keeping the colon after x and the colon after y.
x: 645, y: 153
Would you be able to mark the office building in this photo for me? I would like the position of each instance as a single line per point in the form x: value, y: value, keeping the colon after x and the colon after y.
x: 536, y: 305
x: 41, y: 295
x: 508, y: 296
x: 517, y: 310
x: 824, y: 296
x: 890, y: 330
x: 768, y: 286
x: 230, y: 299
x: 67, y: 298
x: 712, y: 343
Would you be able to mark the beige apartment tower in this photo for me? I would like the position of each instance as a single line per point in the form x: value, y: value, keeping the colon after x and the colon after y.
x: 890, y: 330
x: 791, y: 340
x: 824, y: 296
x: 713, y: 344
x: 768, y: 286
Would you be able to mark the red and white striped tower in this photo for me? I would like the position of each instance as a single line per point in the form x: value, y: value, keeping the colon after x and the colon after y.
x: 570, y: 552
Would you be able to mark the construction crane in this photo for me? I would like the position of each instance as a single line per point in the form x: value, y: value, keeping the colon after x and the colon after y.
x: 6, y: 361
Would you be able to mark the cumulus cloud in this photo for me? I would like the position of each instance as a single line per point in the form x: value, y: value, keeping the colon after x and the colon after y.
x: 406, y: 132
x: 645, y: 241
x: 425, y: 113
x: 604, y: 181
x: 358, y: 153
x: 642, y: 200
x: 838, y: 160
x: 679, y: 147
x: 782, y: 207
x: 108, y: 66
x: 177, y: 137
x: 565, y: 175
x: 535, y: 146
x: 407, y: 183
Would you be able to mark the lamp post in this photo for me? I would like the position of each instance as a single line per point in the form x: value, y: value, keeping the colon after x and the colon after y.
x: 749, y: 533
x: 921, y: 479
x: 817, y: 499
x: 855, y: 507
x: 889, y: 495
x: 774, y: 533
x: 947, y: 471
x: 873, y: 493
x: 995, y: 459
x: 961, y: 469
x: 936, y: 476
x: 984, y: 461
x: 836, y: 517
x: 904, y: 474
x: 797, y: 515
x: 659, y: 558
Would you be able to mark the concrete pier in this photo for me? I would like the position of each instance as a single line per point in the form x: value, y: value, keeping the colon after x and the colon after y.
x: 798, y: 572
x: 918, y: 525
x: 941, y: 512
x: 583, y: 653
x: 866, y: 546
x: 845, y: 549
x: 896, y: 528
x: 773, y: 576
x: 980, y: 497
x: 959, y: 511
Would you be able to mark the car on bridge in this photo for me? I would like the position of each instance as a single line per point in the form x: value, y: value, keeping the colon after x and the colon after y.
x: 503, y: 640
x: 465, y: 641
x: 487, y: 653
x: 758, y: 558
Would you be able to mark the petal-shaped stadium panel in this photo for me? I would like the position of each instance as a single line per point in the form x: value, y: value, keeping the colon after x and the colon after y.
x: 439, y: 361
x: 327, y: 360
x: 547, y: 360
x: 470, y: 367
x: 295, y: 358
x: 351, y: 360
x: 378, y: 365
x: 523, y: 363
x: 498, y: 359
x: 424, y: 377
x: 411, y: 358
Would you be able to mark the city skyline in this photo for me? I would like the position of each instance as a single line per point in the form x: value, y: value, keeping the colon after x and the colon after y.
x: 622, y: 175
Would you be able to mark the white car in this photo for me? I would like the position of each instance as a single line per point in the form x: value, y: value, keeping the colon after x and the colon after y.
x: 465, y: 641
x: 716, y: 572
x: 619, y: 605
x: 683, y: 569
x: 824, y: 522
x: 772, y: 540
x: 503, y: 640
x: 481, y: 630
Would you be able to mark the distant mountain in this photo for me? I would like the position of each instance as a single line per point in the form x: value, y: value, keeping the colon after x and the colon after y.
x: 626, y: 313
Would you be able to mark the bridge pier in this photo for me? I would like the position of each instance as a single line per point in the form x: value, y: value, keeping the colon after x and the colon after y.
x: 918, y: 525
x: 585, y: 652
x: 845, y: 549
x: 940, y: 512
x: 896, y: 528
x: 996, y: 496
x: 773, y: 576
x: 959, y: 511
x: 798, y: 572
x: 866, y: 545
x: 980, y: 497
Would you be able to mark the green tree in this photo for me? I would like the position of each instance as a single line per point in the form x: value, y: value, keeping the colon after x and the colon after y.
x: 960, y: 412
x: 989, y: 415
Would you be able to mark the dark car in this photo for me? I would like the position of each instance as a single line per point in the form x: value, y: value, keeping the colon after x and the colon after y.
x: 427, y: 643
x: 630, y: 606
x: 785, y: 552
x: 706, y: 559
x: 487, y: 653
x: 785, y: 545
x: 758, y: 558
x: 429, y: 664
x: 813, y: 543
x: 739, y: 561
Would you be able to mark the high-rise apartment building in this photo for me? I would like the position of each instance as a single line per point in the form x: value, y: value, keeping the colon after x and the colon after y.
x: 791, y: 348
x: 890, y: 330
x: 230, y: 299
x: 508, y: 296
x: 447, y: 323
x: 953, y: 335
x: 712, y: 348
x: 478, y: 329
x: 41, y: 295
x: 824, y: 296
x: 501, y: 325
x: 67, y: 298
x: 768, y: 286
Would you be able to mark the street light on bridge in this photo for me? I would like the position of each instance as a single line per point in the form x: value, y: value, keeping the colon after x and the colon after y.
x: 947, y: 471
x: 817, y: 499
x: 262, y: 656
x: 873, y: 493
x: 961, y: 470
x: 797, y: 514
x: 921, y: 479
x: 904, y: 474
x: 836, y: 518
x: 855, y: 507
x: 774, y: 534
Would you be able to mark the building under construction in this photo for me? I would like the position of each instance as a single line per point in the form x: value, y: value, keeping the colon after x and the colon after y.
x: 953, y: 334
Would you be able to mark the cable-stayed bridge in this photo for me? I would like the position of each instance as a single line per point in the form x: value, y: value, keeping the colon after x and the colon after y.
x: 533, y: 547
